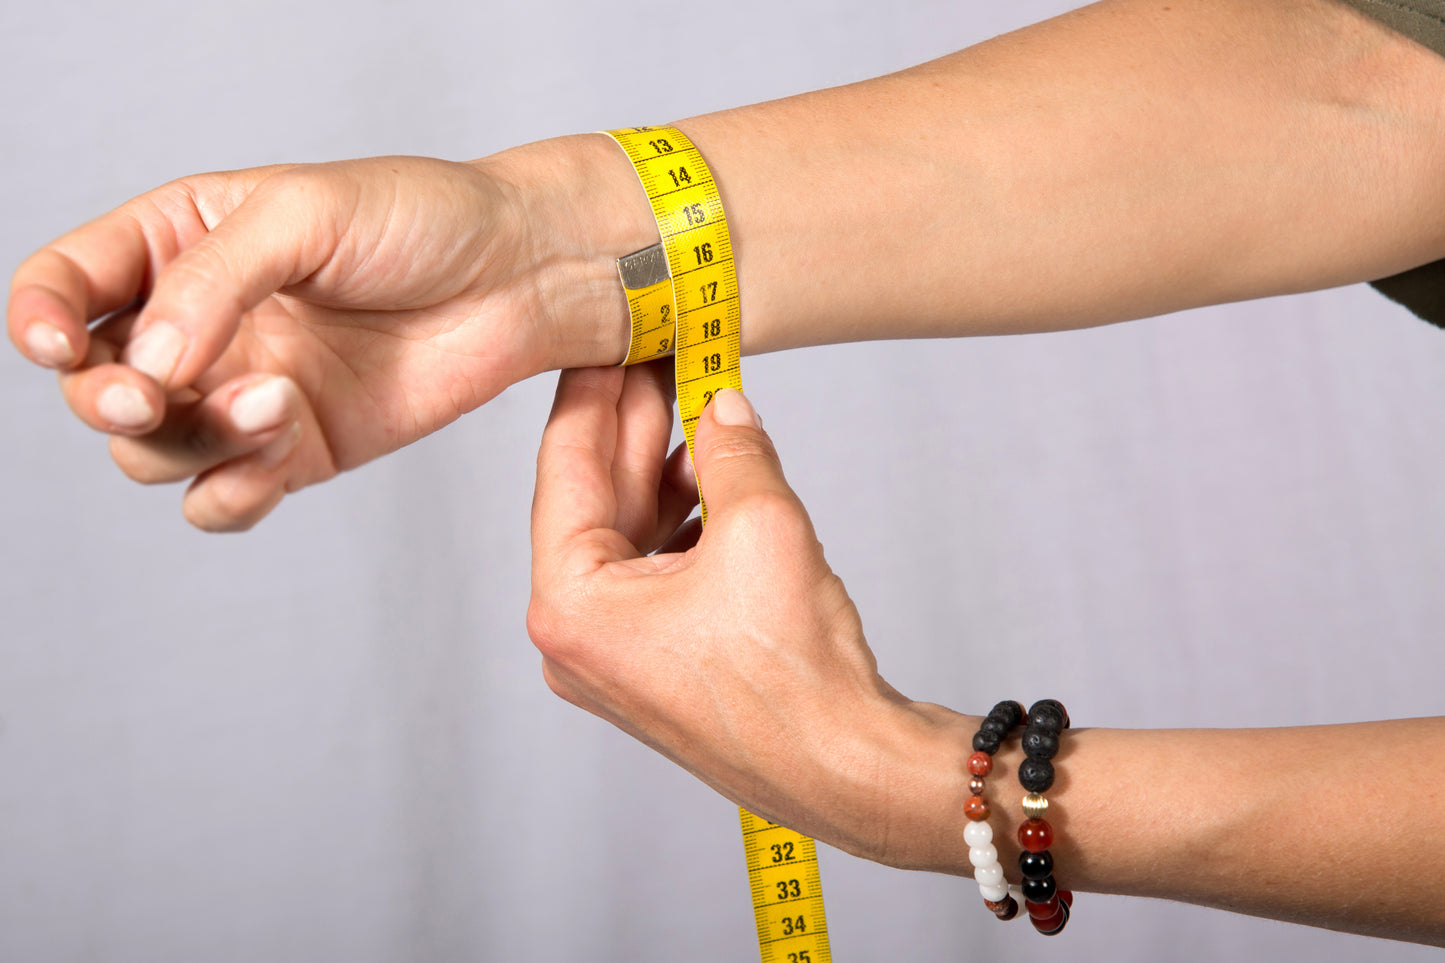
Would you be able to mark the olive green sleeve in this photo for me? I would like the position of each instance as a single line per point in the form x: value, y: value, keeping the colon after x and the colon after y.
x: 1423, y: 21
x: 1422, y: 290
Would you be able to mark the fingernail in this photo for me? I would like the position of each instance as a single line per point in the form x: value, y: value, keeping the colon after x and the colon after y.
x: 729, y: 407
x: 156, y: 351
x: 124, y: 407
x: 262, y: 406
x: 276, y: 451
x: 48, y: 345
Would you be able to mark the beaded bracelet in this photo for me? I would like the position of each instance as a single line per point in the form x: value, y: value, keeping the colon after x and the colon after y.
x: 1048, y: 906
x: 987, y: 870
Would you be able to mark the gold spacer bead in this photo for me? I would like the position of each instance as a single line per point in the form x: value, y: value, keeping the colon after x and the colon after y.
x: 1035, y: 806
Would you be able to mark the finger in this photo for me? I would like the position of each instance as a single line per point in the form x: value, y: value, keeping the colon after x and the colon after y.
x: 111, y: 397
x: 239, y: 493
x: 239, y: 418
x: 106, y: 264
x: 684, y: 538
x: 736, y: 462
x: 676, y: 498
x: 85, y: 275
x: 644, y: 425
x: 574, y: 492
x: 282, y: 232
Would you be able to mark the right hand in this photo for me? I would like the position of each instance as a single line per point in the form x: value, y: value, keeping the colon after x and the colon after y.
x: 269, y: 328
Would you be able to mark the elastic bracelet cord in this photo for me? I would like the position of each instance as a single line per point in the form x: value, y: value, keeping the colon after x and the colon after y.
x: 1048, y: 906
x: 987, y: 870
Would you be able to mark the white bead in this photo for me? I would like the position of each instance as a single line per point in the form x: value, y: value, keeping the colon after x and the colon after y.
x: 985, y: 855
x: 994, y: 893
x: 989, y: 876
x: 977, y: 833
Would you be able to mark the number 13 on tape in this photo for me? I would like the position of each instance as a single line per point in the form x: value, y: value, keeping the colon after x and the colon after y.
x: 682, y: 295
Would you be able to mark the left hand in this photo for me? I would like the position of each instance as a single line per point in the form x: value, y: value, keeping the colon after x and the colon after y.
x: 741, y: 657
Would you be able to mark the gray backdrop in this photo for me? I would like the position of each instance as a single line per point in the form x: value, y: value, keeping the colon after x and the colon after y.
x: 329, y: 739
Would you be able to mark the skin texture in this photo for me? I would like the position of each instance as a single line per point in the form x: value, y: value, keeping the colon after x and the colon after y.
x: 1125, y: 160
x: 770, y: 643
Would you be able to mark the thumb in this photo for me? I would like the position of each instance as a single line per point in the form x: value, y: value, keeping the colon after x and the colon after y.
x: 735, y: 460
x: 276, y: 236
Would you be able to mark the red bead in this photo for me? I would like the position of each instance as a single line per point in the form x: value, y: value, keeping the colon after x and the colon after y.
x: 1067, y: 895
x: 1045, y: 923
x: 1042, y: 910
x: 1035, y: 835
x: 976, y: 809
x: 980, y: 763
x: 1054, y: 924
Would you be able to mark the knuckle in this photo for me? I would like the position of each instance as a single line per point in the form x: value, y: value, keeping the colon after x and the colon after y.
x: 303, y: 188
x: 774, y: 509
x: 204, y: 268
x: 565, y: 626
x: 201, y: 280
x: 726, y: 447
x: 545, y: 629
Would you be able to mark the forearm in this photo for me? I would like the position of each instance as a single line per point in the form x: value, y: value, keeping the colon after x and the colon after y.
x: 1122, y: 161
x: 1330, y: 825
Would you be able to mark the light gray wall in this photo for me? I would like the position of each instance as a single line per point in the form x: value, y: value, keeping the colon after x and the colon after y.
x: 329, y: 739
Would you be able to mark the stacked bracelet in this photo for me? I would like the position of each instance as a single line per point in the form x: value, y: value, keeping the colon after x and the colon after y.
x: 987, y: 870
x: 1047, y: 905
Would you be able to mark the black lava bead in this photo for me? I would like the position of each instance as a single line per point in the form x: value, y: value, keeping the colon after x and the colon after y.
x: 985, y: 741
x: 1040, y: 743
x: 1035, y: 775
x: 1057, y: 705
x: 1009, y: 711
x: 994, y: 725
x: 1046, y: 716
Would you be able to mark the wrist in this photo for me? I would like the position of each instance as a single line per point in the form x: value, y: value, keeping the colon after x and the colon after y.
x: 927, y: 794
x: 579, y: 208
x: 925, y: 789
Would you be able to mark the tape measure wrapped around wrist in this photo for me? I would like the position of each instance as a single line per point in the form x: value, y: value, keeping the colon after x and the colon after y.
x: 682, y: 296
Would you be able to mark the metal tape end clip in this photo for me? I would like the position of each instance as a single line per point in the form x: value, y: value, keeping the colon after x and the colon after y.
x: 644, y: 268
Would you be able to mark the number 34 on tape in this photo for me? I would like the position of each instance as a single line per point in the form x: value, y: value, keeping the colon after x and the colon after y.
x: 787, y: 893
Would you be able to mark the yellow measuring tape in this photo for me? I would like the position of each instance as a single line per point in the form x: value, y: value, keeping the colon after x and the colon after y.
x: 682, y: 295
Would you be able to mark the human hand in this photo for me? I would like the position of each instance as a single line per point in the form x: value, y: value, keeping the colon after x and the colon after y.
x: 740, y: 657
x: 269, y: 328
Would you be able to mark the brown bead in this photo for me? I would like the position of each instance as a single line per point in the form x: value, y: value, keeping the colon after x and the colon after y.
x: 975, y: 785
x: 976, y: 809
x: 1005, y: 909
